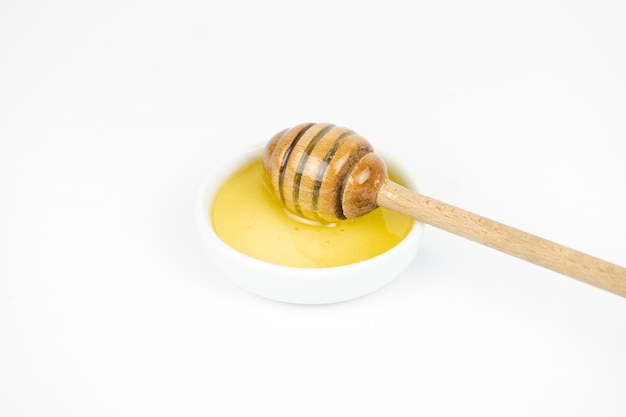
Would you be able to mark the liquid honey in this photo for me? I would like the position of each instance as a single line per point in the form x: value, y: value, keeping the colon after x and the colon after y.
x: 247, y: 217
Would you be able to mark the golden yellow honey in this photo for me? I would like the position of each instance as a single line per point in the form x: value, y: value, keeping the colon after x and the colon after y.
x: 247, y: 217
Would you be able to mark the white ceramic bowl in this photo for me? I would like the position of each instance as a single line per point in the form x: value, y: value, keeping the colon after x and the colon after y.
x: 293, y: 284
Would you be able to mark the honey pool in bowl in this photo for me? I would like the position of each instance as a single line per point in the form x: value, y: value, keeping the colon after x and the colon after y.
x: 247, y: 217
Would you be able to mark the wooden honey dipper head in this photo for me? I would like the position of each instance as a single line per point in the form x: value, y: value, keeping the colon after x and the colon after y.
x: 323, y: 172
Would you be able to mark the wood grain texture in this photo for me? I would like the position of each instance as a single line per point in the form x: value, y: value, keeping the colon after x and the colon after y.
x: 567, y: 261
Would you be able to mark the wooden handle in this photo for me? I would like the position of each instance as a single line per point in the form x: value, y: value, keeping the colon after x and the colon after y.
x: 506, y: 239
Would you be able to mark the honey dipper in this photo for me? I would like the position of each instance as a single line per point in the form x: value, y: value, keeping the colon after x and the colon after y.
x: 327, y: 173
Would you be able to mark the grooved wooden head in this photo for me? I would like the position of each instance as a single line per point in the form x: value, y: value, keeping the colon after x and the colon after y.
x: 323, y: 172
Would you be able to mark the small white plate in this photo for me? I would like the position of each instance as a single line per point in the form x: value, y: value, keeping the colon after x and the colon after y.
x: 300, y: 285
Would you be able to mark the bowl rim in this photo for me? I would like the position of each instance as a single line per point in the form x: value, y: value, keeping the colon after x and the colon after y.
x: 314, y: 276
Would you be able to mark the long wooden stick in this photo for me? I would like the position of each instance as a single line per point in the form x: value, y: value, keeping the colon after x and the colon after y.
x: 578, y: 265
x: 327, y: 173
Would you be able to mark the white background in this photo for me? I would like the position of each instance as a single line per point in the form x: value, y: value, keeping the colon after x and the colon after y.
x: 111, y: 113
